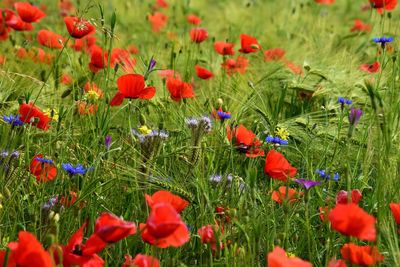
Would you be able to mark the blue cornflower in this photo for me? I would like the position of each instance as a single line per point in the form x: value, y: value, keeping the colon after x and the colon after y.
x: 336, y: 177
x: 284, y: 142
x: 78, y: 169
x: 323, y: 174
x: 344, y: 101
x: 383, y: 40
x: 224, y: 115
x: 276, y: 140
x: 269, y: 139
x: 13, y: 120
x: 43, y: 160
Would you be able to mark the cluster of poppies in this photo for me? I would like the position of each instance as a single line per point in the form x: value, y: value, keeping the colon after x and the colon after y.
x: 27, y: 251
x: 165, y: 227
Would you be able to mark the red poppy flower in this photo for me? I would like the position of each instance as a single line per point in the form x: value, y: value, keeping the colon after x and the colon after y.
x: 165, y: 74
x: 78, y: 27
x: 133, y: 49
x: 69, y: 200
x: 4, y: 32
x: 278, y: 258
x: 123, y: 58
x: 342, y: 197
x: 167, y: 197
x: 235, y: 66
x: 274, y: 54
x: 4, y: 29
x: 50, y: 39
x: 98, y: 58
x: 11, y: 262
x: 383, y: 4
x: 118, y: 55
x: 395, y: 208
x: 361, y: 255
x: 27, y: 252
x: 66, y: 7
x: 85, y: 108
x: 164, y: 227
x: 31, y: 113
x: 21, y: 52
x: 371, y: 68
x: 203, y: 73
x: 66, y: 79
x: 16, y: 23
x: 76, y: 253
x: 179, y: 89
x: 207, y: 234
x: 223, y: 213
x: 111, y: 228
x: 193, y: 19
x: 132, y: 86
x: 325, y: 2
x: 84, y: 43
x: 43, y: 57
x: 2, y: 60
x: 29, y: 13
x: 249, y: 44
x: 161, y: 4
x: 141, y: 261
x: 44, y: 170
x: 351, y: 220
x: 278, y: 167
x: 158, y: 21
x: 323, y: 212
x: 281, y: 196
x: 246, y: 141
x: 198, y: 35
x: 337, y: 263
x: 360, y: 26
x: 296, y: 69
x: 224, y: 48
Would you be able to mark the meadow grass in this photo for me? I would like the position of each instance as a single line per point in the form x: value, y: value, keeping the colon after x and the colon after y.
x: 268, y: 96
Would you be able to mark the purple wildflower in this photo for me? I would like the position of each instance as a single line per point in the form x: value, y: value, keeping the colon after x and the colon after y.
x: 107, y: 141
x: 355, y: 115
x: 152, y: 64
x: 307, y: 183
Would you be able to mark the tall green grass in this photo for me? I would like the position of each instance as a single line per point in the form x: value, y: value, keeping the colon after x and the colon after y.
x: 268, y: 96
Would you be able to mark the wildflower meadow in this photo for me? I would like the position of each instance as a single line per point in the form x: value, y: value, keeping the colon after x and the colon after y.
x: 199, y: 133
